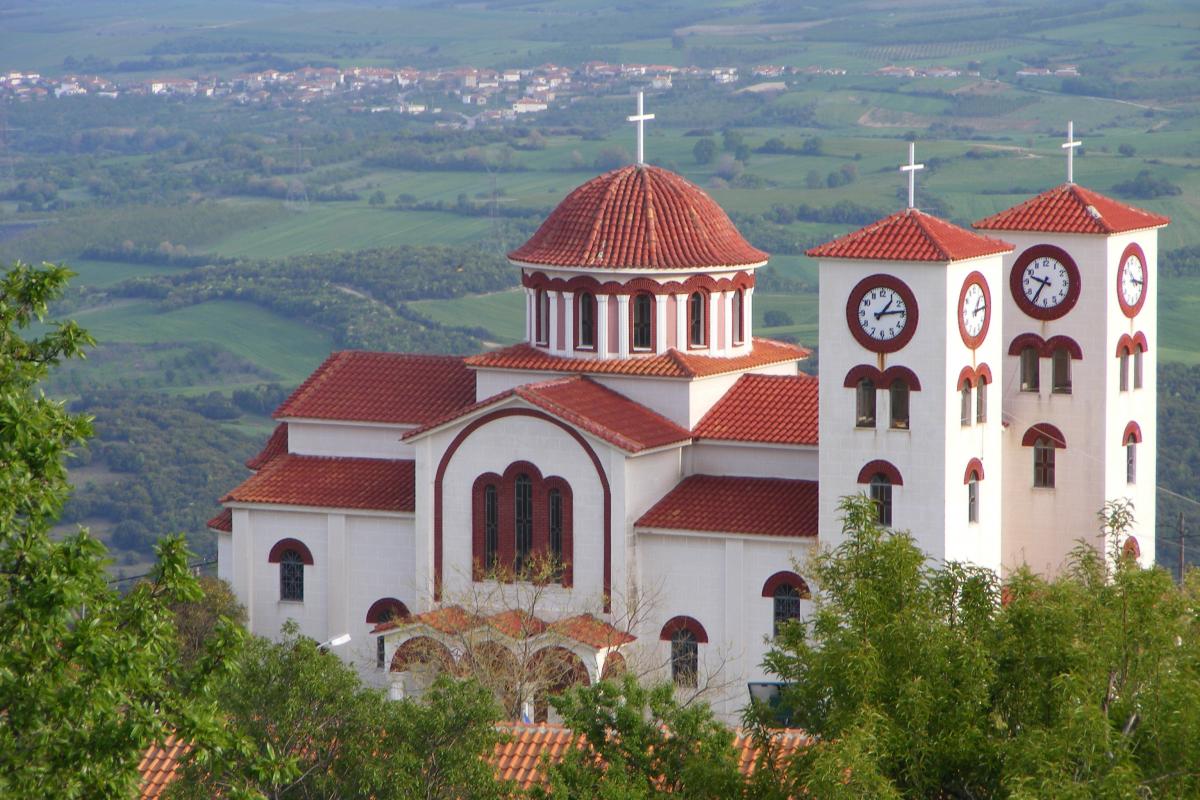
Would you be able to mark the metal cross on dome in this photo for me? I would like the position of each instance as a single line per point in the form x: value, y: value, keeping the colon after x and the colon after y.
x: 640, y: 118
x: 911, y: 168
x: 1070, y: 146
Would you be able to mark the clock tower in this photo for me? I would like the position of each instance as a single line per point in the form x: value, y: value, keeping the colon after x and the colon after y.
x: 1079, y: 339
x: 910, y: 347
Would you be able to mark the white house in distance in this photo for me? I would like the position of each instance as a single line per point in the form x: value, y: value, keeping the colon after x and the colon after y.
x: 990, y: 393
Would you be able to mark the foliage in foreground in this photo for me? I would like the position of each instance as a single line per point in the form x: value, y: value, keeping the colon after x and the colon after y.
x: 88, y: 679
x: 931, y: 681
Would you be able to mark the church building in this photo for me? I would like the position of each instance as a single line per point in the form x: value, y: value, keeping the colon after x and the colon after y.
x: 638, y: 483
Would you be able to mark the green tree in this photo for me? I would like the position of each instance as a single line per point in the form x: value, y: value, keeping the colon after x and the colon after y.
x: 377, y: 198
x: 918, y: 681
x: 704, y: 151
x: 88, y: 678
x: 315, y: 731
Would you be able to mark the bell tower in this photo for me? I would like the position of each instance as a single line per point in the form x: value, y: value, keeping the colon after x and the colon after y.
x: 1079, y: 369
x: 910, y: 344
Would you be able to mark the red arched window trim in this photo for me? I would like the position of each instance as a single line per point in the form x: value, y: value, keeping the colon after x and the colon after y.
x: 1124, y: 345
x: 586, y: 283
x: 1046, y: 347
x: 688, y: 624
x: 1139, y: 340
x: 1055, y: 342
x: 1131, y: 548
x: 541, y: 536
x: 1044, y: 429
x: 892, y: 374
x: 1021, y: 341
x: 983, y: 371
x: 479, y: 523
x: 386, y: 608
x: 966, y: 378
x: 880, y: 467
x: 1133, y: 433
x: 785, y: 578
x: 974, y: 467
x: 506, y: 546
x: 882, y: 380
x: 283, y: 545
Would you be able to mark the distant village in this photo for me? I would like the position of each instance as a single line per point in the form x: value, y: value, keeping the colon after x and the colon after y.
x: 496, y: 95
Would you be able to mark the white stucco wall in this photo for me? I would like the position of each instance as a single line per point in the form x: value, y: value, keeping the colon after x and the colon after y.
x: 709, y: 457
x: 360, y: 440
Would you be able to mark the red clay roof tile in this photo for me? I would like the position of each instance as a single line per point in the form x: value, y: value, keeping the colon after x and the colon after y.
x: 399, y: 388
x: 277, y: 445
x: 775, y: 409
x: 221, y: 522
x: 911, y: 235
x: 331, y: 482
x: 159, y: 766
x: 638, y: 216
x: 671, y: 364
x: 731, y: 504
x: 1070, y: 208
x: 517, y: 624
x: 592, y: 631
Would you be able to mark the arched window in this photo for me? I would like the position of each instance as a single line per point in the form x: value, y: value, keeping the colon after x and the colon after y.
x: 542, y: 331
x: 787, y: 606
x: 1030, y: 367
x: 555, y: 500
x: 1131, y: 462
x: 386, y: 609
x: 698, y: 319
x: 643, y: 322
x: 981, y: 399
x: 865, y: 404
x: 881, y: 494
x: 964, y: 411
x: 585, y: 335
x: 685, y: 658
x: 1043, y: 463
x: 1124, y: 371
x: 1061, y: 362
x: 1138, y: 352
x: 522, y: 521
x: 973, y: 497
x: 291, y: 576
x: 898, y: 401
x: 739, y: 314
x: 491, y: 528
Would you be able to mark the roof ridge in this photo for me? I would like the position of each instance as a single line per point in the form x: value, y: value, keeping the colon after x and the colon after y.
x: 921, y: 219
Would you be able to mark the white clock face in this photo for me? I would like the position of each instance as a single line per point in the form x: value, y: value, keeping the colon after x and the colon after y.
x: 1045, y: 282
x: 974, y: 309
x: 882, y: 313
x: 1133, y: 280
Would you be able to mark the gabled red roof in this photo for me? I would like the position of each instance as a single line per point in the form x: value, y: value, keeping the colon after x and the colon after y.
x: 587, y: 405
x: 775, y: 409
x: 911, y: 235
x: 276, y: 446
x: 731, y: 504
x: 330, y: 482
x: 671, y: 364
x: 1070, y: 208
x: 638, y: 216
x: 221, y: 522
x: 398, y: 388
x: 591, y: 631
x: 515, y: 624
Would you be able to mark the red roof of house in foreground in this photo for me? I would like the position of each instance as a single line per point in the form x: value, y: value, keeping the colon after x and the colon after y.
x: 1070, y: 208
x: 276, y: 446
x: 398, y: 388
x: 773, y: 409
x: 638, y: 216
x: 374, y: 484
x: 732, y: 504
x: 671, y: 364
x: 515, y: 624
x: 587, y: 405
x: 159, y: 766
x: 911, y: 235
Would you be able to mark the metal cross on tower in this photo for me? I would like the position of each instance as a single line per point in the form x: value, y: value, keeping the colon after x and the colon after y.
x: 1070, y: 146
x: 640, y: 118
x: 911, y: 168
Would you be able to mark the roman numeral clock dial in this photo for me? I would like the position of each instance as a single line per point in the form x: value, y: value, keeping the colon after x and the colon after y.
x: 1045, y: 282
x: 881, y: 312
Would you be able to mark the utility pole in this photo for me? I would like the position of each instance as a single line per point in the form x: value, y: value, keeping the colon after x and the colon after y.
x: 1181, y: 537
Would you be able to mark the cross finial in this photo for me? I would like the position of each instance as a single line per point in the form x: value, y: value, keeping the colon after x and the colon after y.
x: 911, y: 168
x: 1070, y: 146
x: 640, y: 118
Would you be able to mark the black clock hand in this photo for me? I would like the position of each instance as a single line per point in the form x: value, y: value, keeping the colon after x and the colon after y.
x: 1044, y: 283
x: 979, y: 307
x: 889, y: 313
x: 879, y: 314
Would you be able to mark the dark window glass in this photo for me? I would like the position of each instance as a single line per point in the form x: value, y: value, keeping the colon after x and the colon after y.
x: 973, y: 498
x: 523, y: 517
x: 1061, y: 361
x: 1030, y: 367
x: 556, y: 529
x: 587, y: 320
x: 865, y: 404
x: 1131, y: 462
x: 981, y: 400
x: 643, y: 307
x: 739, y: 313
x: 964, y: 412
x: 1137, y: 368
x: 898, y: 400
x: 380, y: 651
x: 698, y: 329
x: 881, y: 493
x: 787, y: 605
x: 543, y: 317
x: 291, y: 576
x: 685, y: 658
x: 1124, y: 372
x: 1043, y: 463
x: 491, y: 528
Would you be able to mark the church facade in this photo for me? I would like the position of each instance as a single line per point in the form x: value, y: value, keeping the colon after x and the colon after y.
x: 638, y: 483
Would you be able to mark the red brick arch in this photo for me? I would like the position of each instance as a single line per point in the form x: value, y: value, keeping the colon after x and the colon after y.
x: 880, y: 467
x: 283, y: 545
x: 1133, y: 433
x: 974, y: 467
x: 1044, y: 430
x: 785, y: 578
x: 689, y: 624
x: 386, y: 608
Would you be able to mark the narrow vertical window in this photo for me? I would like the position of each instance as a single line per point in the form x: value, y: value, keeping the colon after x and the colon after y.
x: 865, y: 404
x: 981, y: 399
x: 1061, y: 362
x: 543, y: 317
x: 1043, y: 463
x: 291, y: 576
x: 685, y: 658
x: 881, y: 493
x: 523, y: 521
x: 898, y: 400
x: 1137, y: 367
x: 973, y: 498
x: 964, y: 411
x: 1124, y: 372
x: 555, y: 499
x: 739, y: 312
x: 586, y: 335
x: 380, y: 652
x: 1030, y: 366
x: 1131, y: 462
x: 697, y: 319
x: 643, y: 310
x: 491, y: 528
x: 787, y: 606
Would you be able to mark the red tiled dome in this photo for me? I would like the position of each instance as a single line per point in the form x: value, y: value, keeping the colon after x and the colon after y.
x: 638, y: 216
